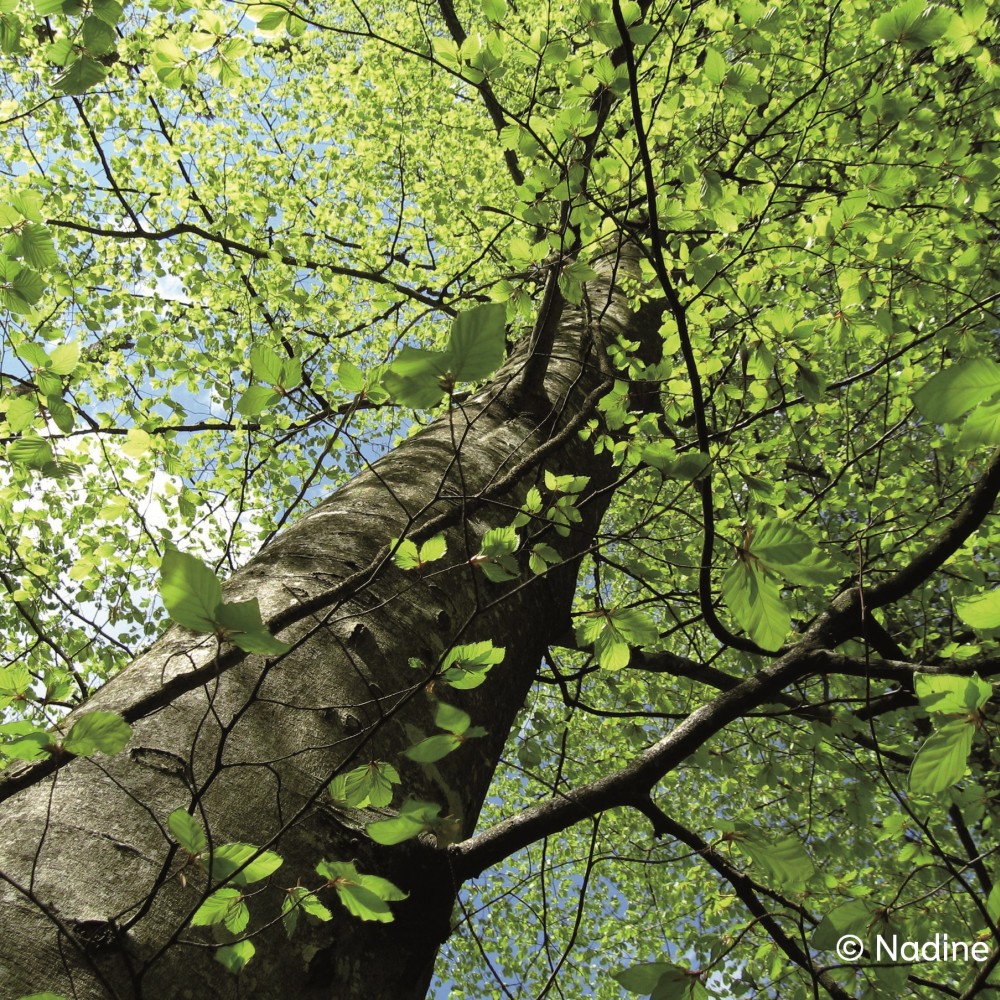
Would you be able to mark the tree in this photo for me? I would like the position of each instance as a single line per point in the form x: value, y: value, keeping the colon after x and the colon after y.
x: 608, y: 393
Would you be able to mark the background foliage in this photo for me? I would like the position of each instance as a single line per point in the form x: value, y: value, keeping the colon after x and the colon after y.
x: 224, y: 222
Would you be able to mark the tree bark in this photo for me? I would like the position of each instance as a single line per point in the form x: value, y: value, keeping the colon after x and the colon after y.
x: 91, y: 904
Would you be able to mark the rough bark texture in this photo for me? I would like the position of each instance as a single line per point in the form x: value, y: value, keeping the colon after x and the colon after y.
x: 90, y: 902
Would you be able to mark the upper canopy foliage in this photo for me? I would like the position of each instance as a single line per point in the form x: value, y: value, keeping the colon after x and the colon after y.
x: 234, y: 231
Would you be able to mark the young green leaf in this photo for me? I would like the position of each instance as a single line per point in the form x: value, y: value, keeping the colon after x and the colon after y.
x: 542, y: 557
x: 451, y: 718
x: 495, y: 557
x: 368, y: 785
x: 662, y: 981
x: 433, y: 748
x: 612, y: 633
x: 477, y: 342
x: 243, y: 864
x: 265, y: 364
x: 351, y: 377
x: 981, y: 611
x: 191, y: 592
x: 256, y: 400
x: 364, y: 896
x: 224, y: 906
x: 755, y: 602
x: 853, y: 917
x: 241, y: 624
x: 942, y: 759
x: 97, y: 732
x: 65, y: 358
x: 466, y: 666
x: 433, y: 549
x: 235, y: 957
x: 785, y: 861
x: 298, y: 901
x: 60, y: 412
x: 187, y: 831
x: 406, y: 555
x: 956, y: 390
x: 944, y: 694
x: 415, y: 817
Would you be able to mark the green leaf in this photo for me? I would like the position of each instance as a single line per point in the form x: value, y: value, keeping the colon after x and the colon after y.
x: 944, y: 694
x: 33, y: 243
x: 495, y: 557
x: 786, y: 860
x: 755, y: 602
x: 643, y: 978
x: 433, y: 748
x: 190, y: 591
x: 993, y: 903
x: 982, y: 427
x: 451, y: 718
x: 109, y: 11
x: 241, y: 624
x: 494, y: 10
x: 104, y: 732
x: 981, y: 611
x: 405, y: 555
x: 27, y: 746
x: 98, y: 37
x: 956, y: 390
x: 256, y: 400
x: 466, y: 666
x: 235, y: 957
x: 30, y: 450
x: 942, y: 759
x: 48, y: 383
x: 266, y: 364
x: 415, y: 378
x: 686, y: 468
x: 351, y: 377
x: 28, y: 203
x: 368, y: 785
x: 65, y: 358
x: 433, y: 549
x: 364, y: 896
x: 420, y: 378
x: 853, y: 917
x: 780, y: 543
x: 20, y: 286
x: 300, y: 900
x: 542, y: 557
x: 291, y: 374
x: 912, y: 24
x: 477, y: 343
x: 499, y: 542
x: 21, y: 413
x: 224, y: 906
x: 137, y: 442
x: 661, y: 980
x: 714, y: 66
x: 227, y: 859
x: 415, y: 817
x: 82, y: 74
x: 613, y: 631
x: 500, y: 569
x: 187, y: 831
x: 62, y: 415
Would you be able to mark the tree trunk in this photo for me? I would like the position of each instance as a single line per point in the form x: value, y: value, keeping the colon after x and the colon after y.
x: 91, y: 904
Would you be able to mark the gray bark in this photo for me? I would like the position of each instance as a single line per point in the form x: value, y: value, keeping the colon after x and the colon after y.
x: 90, y: 902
